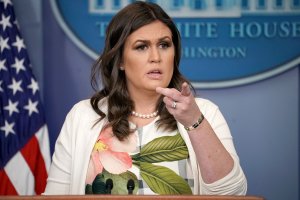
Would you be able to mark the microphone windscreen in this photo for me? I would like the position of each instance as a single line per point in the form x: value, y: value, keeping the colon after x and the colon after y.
x: 109, y: 182
x: 130, y: 186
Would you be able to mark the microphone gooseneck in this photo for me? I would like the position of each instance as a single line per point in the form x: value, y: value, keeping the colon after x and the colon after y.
x: 109, y: 185
x: 130, y: 186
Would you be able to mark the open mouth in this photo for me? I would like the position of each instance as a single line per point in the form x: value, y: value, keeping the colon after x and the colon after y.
x: 155, y: 72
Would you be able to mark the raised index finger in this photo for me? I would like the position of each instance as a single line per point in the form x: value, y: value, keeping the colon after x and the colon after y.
x: 167, y: 92
x: 163, y: 91
x: 185, y: 89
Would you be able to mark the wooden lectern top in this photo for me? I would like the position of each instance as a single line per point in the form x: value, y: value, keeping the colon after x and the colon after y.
x: 131, y: 197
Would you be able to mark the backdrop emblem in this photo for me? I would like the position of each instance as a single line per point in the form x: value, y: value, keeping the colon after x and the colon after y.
x: 224, y: 42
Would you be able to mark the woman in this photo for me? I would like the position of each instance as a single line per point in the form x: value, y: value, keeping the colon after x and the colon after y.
x: 144, y: 132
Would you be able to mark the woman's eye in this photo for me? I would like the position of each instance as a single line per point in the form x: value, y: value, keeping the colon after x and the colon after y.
x: 164, y: 45
x: 141, y: 47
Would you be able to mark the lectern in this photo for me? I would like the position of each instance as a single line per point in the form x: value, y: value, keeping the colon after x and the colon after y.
x: 131, y: 197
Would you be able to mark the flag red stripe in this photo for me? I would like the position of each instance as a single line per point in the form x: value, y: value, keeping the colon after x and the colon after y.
x: 6, y: 187
x: 33, y: 156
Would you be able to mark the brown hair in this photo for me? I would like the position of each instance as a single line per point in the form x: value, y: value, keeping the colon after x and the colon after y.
x: 126, y: 21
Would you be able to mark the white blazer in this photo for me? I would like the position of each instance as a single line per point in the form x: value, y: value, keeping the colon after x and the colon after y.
x: 80, y: 131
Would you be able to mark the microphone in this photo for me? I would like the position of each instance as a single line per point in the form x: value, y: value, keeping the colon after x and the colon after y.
x: 130, y: 186
x: 109, y: 186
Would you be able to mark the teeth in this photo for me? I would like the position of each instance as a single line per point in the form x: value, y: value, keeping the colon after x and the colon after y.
x: 154, y: 72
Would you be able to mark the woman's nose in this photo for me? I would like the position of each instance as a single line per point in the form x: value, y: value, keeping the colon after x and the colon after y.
x: 155, y: 55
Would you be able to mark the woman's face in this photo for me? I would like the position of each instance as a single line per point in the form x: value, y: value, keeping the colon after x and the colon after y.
x: 148, y: 57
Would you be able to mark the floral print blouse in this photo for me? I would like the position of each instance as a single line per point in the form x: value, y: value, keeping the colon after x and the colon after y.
x: 155, y: 162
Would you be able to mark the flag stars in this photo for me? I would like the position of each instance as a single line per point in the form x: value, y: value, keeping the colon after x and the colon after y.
x: 6, y: 2
x: 5, y: 22
x: 2, y: 65
x: 8, y: 128
x: 31, y: 107
x: 19, y: 43
x: 3, y: 44
x: 17, y: 24
x: 1, y: 90
x: 19, y: 65
x: 33, y: 86
x: 11, y: 107
x: 15, y: 86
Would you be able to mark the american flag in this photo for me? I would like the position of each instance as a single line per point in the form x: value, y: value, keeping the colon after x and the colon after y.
x: 24, y: 140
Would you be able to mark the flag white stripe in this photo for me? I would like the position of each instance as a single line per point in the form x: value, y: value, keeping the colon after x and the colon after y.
x: 43, y: 138
x: 20, y: 175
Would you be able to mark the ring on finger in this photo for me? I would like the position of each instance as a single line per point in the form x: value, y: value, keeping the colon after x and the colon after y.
x: 174, y: 105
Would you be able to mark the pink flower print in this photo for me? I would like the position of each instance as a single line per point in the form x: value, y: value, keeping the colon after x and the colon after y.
x: 111, y: 154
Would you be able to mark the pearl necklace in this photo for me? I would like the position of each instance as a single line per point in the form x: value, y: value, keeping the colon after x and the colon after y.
x: 145, y: 116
